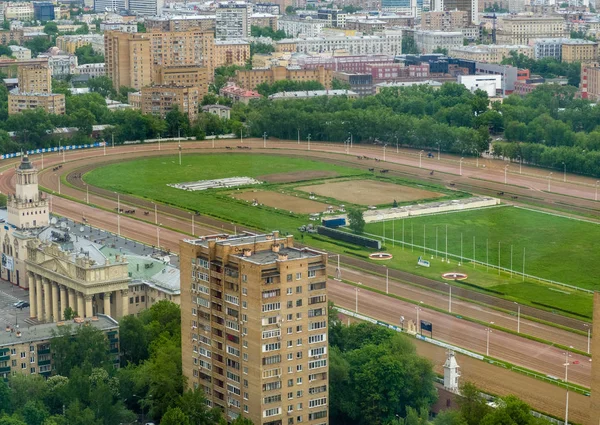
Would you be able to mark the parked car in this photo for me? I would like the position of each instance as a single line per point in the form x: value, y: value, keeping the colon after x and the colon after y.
x: 22, y: 304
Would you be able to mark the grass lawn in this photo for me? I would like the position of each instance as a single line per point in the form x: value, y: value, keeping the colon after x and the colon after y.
x: 556, y: 248
x: 148, y: 178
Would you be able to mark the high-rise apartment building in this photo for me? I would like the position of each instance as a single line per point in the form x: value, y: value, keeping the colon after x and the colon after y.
x: 231, y: 52
x: 183, y: 76
x: 132, y: 60
x: 128, y: 59
x: 233, y: 20
x: 254, y: 327
x: 35, y: 77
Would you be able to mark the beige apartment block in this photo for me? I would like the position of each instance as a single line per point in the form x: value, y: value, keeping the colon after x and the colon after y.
x: 128, y: 59
x: 131, y: 58
x: 590, y: 81
x: 449, y: 20
x: 231, y: 52
x: 183, y: 76
x: 492, y: 53
x: 35, y: 77
x: 180, y: 23
x: 50, y: 102
x: 26, y: 351
x: 159, y: 100
x: 70, y: 43
x: 522, y: 29
x: 582, y: 51
x: 254, y: 327
x: 249, y: 79
x: 20, y: 11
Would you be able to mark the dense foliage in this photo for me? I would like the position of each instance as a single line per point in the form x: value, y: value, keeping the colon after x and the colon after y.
x: 546, y: 67
x: 85, y: 54
x: 257, y: 31
x: 267, y: 89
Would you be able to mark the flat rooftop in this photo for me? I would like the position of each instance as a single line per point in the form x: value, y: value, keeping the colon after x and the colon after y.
x: 47, y: 330
x: 268, y: 256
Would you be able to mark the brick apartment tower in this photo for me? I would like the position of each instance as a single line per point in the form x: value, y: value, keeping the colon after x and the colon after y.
x: 254, y: 327
x: 595, y: 387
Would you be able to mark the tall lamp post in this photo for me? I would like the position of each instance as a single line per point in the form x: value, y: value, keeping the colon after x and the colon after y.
x: 118, y: 214
x: 418, y: 320
x: 265, y: 139
x: 595, y: 197
x: 420, y: 159
x: 564, y: 172
x: 589, y: 334
x: 193, y: 214
x: 460, y: 166
x: 549, y: 176
x: 566, y: 364
x: 449, y: 298
x: 308, y: 138
x: 488, y: 331
x: 356, y: 297
x: 518, y: 317
x: 506, y: 173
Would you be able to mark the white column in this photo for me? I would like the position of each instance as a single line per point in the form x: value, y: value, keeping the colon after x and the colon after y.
x: 32, y: 299
x: 47, y: 300
x: 55, y: 311
x: 38, y: 295
x: 89, y: 311
x: 63, y: 302
x: 80, y: 305
x: 107, y: 303
x: 125, y: 300
x: 72, y: 300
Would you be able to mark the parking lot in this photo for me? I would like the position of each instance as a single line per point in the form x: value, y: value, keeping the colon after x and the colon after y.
x: 9, y: 314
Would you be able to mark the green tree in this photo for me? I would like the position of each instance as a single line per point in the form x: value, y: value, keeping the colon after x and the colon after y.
x: 85, y: 54
x: 441, y: 50
x: 473, y: 406
x: 5, y: 51
x: 51, y: 28
x: 102, y: 85
x: 174, y: 416
x: 337, y: 84
x: 266, y: 89
x: 69, y: 313
x: 11, y: 420
x: 141, y: 27
x: 83, y: 29
x: 5, y: 397
x: 241, y: 420
x: 356, y: 220
x: 222, y: 75
x: 449, y: 417
x: 192, y: 404
x: 87, y: 348
x: 261, y: 48
x: 84, y: 120
x: 177, y: 122
x: 34, y: 412
x: 409, y: 46
x: 26, y: 388
x: 134, y: 340
x: 38, y: 45
x: 267, y: 32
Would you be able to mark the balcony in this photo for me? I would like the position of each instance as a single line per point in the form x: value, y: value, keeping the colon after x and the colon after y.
x: 40, y: 363
x: 4, y: 369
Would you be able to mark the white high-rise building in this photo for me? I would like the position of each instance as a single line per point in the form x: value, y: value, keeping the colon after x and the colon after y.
x: 233, y: 20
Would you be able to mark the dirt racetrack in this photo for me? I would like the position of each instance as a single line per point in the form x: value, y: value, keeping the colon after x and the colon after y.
x: 369, y: 192
x: 282, y: 201
x: 296, y: 176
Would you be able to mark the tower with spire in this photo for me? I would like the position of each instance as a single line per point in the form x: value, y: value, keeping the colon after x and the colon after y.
x: 27, y: 208
x: 451, y: 373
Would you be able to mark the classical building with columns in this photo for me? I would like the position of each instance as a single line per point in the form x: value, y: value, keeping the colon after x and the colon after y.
x: 26, y: 214
x: 83, y: 280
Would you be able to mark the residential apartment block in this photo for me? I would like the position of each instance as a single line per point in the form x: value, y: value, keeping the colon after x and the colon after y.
x: 233, y: 20
x: 159, y: 100
x: 19, y: 11
x: 183, y: 76
x: 34, y: 77
x: 254, y: 327
x: 428, y: 41
x: 50, y: 102
x: 26, y: 351
x: 492, y: 53
x: 93, y: 70
x: 296, y: 26
x: 20, y: 53
x: 364, y: 25
x: 180, y: 23
x: 469, y: 6
x: 447, y: 20
x: 70, y: 43
x: 590, y: 81
x: 230, y: 52
x: 145, y: 7
x: 387, y: 44
x: 521, y: 29
x: 579, y: 51
x: 133, y: 59
x: 249, y: 79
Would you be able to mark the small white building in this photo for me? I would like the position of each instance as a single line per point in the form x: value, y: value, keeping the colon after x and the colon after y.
x: 451, y: 373
x: 92, y: 69
x: 488, y: 83
x: 221, y: 111
x: 20, y: 52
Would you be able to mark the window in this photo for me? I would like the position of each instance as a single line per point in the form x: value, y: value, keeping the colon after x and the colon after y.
x: 298, y: 316
x: 245, y: 408
x: 271, y: 334
x: 272, y: 399
x: 231, y: 299
x: 202, y: 276
x: 203, y: 289
x: 298, y: 276
x: 271, y: 307
x: 271, y: 347
x: 23, y: 355
x: 289, y: 277
x: 317, y: 364
x: 289, y: 317
x: 32, y: 370
x: 272, y: 412
x: 269, y: 320
x: 299, y: 355
x: 290, y: 383
x: 298, y: 289
x: 317, y: 286
x: 317, y: 338
x: 202, y: 302
x: 203, y: 263
x: 317, y: 415
x: 290, y: 396
x: 299, y: 341
x: 290, y: 344
x: 299, y: 328
x: 317, y: 351
x: 244, y: 291
x: 232, y: 325
x: 298, y: 381
x: 232, y: 350
x: 270, y: 386
x: 317, y: 325
x: 317, y: 402
x: 317, y: 390
x: 290, y: 356
x: 290, y: 304
x: 299, y: 303
x: 299, y: 406
x: 290, y: 291
x: 271, y: 360
x: 233, y: 377
x: 233, y: 389
x: 244, y: 278
x: 299, y: 368
x: 312, y: 273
